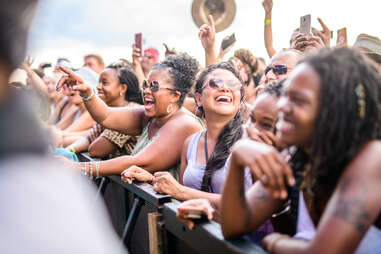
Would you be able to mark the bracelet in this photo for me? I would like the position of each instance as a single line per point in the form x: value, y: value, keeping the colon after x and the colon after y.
x: 90, y: 96
x: 272, y: 244
x: 72, y: 149
x: 84, y: 169
x: 97, y: 168
x: 267, y: 21
x: 91, y: 171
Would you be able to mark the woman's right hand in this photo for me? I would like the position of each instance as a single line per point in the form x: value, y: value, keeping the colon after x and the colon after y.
x: 136, y: 55
x: 266, y: 165
x: 268, y: 5
x: 73, y: 82
x: 198, y: 205
x: 135, y: 172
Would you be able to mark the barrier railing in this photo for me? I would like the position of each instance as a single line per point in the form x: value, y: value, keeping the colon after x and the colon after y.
x: 146, y: 221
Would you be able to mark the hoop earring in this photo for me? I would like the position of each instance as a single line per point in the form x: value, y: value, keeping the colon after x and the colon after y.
x: 169, y: 108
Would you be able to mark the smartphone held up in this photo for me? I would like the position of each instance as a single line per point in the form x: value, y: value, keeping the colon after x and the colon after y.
x: 139, y: 42
x: 305, y: 24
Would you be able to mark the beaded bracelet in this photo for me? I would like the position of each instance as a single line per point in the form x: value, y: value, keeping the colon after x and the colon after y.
x: 91, y: 170
x: 97, y: 168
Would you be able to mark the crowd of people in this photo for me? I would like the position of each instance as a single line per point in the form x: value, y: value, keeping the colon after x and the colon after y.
x: 286, y: 153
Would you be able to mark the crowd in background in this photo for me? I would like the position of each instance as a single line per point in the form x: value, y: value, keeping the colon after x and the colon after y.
x: 285, y: 152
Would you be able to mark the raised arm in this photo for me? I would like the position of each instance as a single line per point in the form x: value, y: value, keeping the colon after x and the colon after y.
x: 36, y: 81
x: 268, y: 30
x: 127, y: 120
x: 136, y: 63
x: 207, y: 37
x: 354, y: 206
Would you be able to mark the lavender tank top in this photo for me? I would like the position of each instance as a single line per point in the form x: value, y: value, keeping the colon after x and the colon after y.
x: 194, y: 172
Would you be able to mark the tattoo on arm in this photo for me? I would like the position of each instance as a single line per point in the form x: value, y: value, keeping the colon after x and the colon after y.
x: 351, y: 206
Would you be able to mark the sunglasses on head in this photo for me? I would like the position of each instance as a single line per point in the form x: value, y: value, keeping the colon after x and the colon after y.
x: 277, y: 69
x: 217, y: 83
x: 154, y: 86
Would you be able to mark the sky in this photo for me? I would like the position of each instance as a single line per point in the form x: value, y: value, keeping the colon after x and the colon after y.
x: 74, y: 28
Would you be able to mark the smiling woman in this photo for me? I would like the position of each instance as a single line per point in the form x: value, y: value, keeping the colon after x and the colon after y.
x: 161, y: 123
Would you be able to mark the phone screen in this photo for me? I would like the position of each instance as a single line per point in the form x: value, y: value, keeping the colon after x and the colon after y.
x: 139, y: 42
x: 305, y: 24
x: 229, y: 41
x: 342, y: 36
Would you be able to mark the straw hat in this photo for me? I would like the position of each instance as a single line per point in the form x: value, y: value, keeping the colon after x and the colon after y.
x: 369, y: 45
x: 223, y: 12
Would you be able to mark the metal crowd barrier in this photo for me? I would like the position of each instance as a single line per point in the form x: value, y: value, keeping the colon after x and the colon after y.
x: 146, y: 221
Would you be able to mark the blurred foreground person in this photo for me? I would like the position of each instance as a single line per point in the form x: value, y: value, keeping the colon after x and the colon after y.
x: 43, y: 209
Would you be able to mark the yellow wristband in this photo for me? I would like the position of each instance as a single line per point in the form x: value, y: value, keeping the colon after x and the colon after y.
x: 267, y: 21
x: 72, y: 149
x: 218, y: 59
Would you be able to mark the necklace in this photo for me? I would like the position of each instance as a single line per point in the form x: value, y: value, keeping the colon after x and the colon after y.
x: 206, y: 148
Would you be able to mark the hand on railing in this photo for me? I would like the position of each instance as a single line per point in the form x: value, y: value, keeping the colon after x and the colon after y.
x: 187, y: 209
x: 163, y: 182
x: 135, y: 172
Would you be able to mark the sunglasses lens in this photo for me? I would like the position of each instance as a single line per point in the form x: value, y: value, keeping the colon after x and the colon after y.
x: 280, y: 69
x: 268, y: 68
x: 145, y: 84
x: 213, y: 84
x: 154, y: 86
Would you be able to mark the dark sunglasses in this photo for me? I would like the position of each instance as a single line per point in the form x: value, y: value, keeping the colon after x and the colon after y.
x: 217, y: 83
x: 277, y: 69
x: 155, y: 86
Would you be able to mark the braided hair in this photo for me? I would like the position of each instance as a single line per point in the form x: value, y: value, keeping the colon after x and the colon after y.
x: 230, y: 133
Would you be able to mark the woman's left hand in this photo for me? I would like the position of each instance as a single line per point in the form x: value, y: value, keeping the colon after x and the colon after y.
x: 135, y: 172
x: 164, y: 182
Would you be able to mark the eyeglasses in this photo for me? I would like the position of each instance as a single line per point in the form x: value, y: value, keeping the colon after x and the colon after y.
x: 277, y: 69
x: 217, y: 83
x: 155, y: 86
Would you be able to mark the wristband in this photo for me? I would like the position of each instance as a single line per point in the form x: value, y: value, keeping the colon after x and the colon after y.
x: 90, y: 96
x: 267, y: 21
x: 218, y: 59
x: 72, y: 149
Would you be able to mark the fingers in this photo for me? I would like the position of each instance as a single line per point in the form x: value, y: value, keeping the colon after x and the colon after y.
x: 286, y: 169
x: 166, y: 47
x: 279, y: 177
x: 323, y: 25
x: 211, y: 22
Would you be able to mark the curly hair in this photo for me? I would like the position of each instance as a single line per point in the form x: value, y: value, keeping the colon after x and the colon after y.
x: 183, y: 69
x: 128, y: 77
x: 230, y: 133
x: 249, y: 61
x: 349, y: 114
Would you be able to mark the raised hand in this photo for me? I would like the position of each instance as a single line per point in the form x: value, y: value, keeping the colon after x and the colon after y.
x: 194, y: 205
x: 223, y: 52
x: 73, y: 82
x: 136, y: 55
x: 207, y: 34
x: 135, y: 172
x: 27, y: 64
x: 266, y: 165
x: 268, y: 5
x: 169, y: 51
x: 325, y: 33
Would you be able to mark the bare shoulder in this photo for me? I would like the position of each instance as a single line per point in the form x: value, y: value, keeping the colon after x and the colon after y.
x: 185, y: 120
x: 368, y: 161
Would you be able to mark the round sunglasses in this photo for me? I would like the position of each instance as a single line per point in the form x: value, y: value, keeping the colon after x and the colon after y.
x: 278, y: 69
x: 217, y: 83
x: 154, y: 86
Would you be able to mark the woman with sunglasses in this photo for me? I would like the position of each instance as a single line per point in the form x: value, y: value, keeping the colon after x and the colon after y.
x: 118, y: 87
x: 331, y: 114
x: 162, y: 123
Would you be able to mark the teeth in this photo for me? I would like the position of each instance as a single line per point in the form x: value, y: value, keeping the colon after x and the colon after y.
x: 282, y: 124
x: 223, y: 98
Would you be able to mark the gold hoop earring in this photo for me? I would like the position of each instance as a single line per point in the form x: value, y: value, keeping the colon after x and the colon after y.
x: 169, y: 108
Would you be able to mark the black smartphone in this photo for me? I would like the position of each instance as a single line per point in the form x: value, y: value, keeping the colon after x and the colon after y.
x: 197, y: 216
x: 228, y: 41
